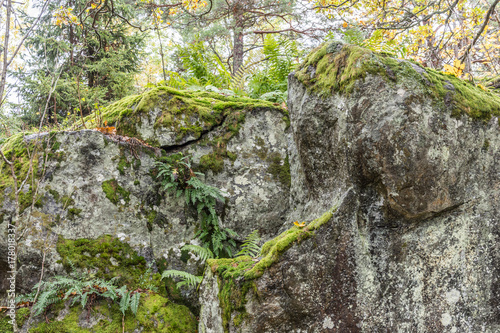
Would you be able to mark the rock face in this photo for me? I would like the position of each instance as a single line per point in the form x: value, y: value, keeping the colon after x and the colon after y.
x: 393, y: 168
x: 412, y: 171
x: 98, y: 205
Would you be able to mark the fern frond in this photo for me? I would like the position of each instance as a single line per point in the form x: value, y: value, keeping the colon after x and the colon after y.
x: 200, y: 251
x: 186, y: 278
x: 124, y: 302
x: 134, y: 303
x: 250, y: 246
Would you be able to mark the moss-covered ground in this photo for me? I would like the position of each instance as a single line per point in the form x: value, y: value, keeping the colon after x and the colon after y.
x: 335, y: 67
x: 237, y: 275
x: 155, y: 314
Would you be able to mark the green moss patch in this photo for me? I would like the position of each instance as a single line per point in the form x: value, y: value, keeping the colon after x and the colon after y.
x: 109, y: 257
x: 73, y: 212
x: 155, y: 314
x: 19, y: 153
x: 21, y: 316
x: 462, y: 96
x: 123, y: 164
x: 212, y: 161
x: 335, y: 67
x: 115, y: 192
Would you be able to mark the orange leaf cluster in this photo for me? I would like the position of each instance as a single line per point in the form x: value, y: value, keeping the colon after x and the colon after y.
x: 108, y: 130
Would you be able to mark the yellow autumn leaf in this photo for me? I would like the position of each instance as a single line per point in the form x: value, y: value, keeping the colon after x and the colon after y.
x: 300, y: 225
x: 458, y: 64
x: 457, y: 69
x: 449, y: 69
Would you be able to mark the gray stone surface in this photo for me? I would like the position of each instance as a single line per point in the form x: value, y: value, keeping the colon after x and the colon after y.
x: 414, y: 245
x: 85, y: 159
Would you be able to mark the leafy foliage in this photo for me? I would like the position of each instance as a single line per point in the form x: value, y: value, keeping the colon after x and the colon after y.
x: 129, y: 300
x: 203, y: 67
x: 376, y: 42
x: 250, y: 246
x: 177, y: 176
x: 88, y: 57
x: 433, y: 33
x: 200, y: 251
x: 271, y: 82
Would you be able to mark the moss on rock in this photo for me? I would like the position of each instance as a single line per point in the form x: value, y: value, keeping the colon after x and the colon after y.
x: 155, y: 314
x: 73, y: 212
x: 15, y: 150
x: 236, y: 275
x: 115, y: 192
x: 21, y: 316
x: 185, y: 112
x: 123, y: 164
x: 108, y: 257
x: 280, y: 169
x: 336, y: 67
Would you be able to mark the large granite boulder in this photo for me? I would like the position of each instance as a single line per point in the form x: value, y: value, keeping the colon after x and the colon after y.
x: 95, y: 204
x: 395, y: 170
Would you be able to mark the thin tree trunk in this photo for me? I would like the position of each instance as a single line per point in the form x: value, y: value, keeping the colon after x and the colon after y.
x: 238, y: 44
x: 161, y: 53
x: 55, y: 111
x: 3, y: 75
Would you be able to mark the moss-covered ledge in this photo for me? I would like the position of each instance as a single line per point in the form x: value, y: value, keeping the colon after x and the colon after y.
x: 155, y: 313
x: 187, y: 113
x: 236, y: 275
x: 336, y: 67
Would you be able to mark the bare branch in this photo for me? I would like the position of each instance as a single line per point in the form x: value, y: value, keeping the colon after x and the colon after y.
x: 481, y: 29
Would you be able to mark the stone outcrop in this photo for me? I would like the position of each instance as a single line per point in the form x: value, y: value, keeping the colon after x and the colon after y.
x: 404, y: 161
x: 98, y: 205
x: 389, y: 170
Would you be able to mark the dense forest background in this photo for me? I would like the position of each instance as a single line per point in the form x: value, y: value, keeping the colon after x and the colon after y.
x: 62, y: 60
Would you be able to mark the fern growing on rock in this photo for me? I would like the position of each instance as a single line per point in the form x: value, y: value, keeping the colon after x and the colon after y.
x: 250, y: 246
x: 128, y: 300
x: 187, y: 279
x: 83, y: 290
x: 177, y: 177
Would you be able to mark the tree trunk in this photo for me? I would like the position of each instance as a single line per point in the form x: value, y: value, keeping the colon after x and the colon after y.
x: 3, y: 75
x: 55, y: 111
x: 238, y: 43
